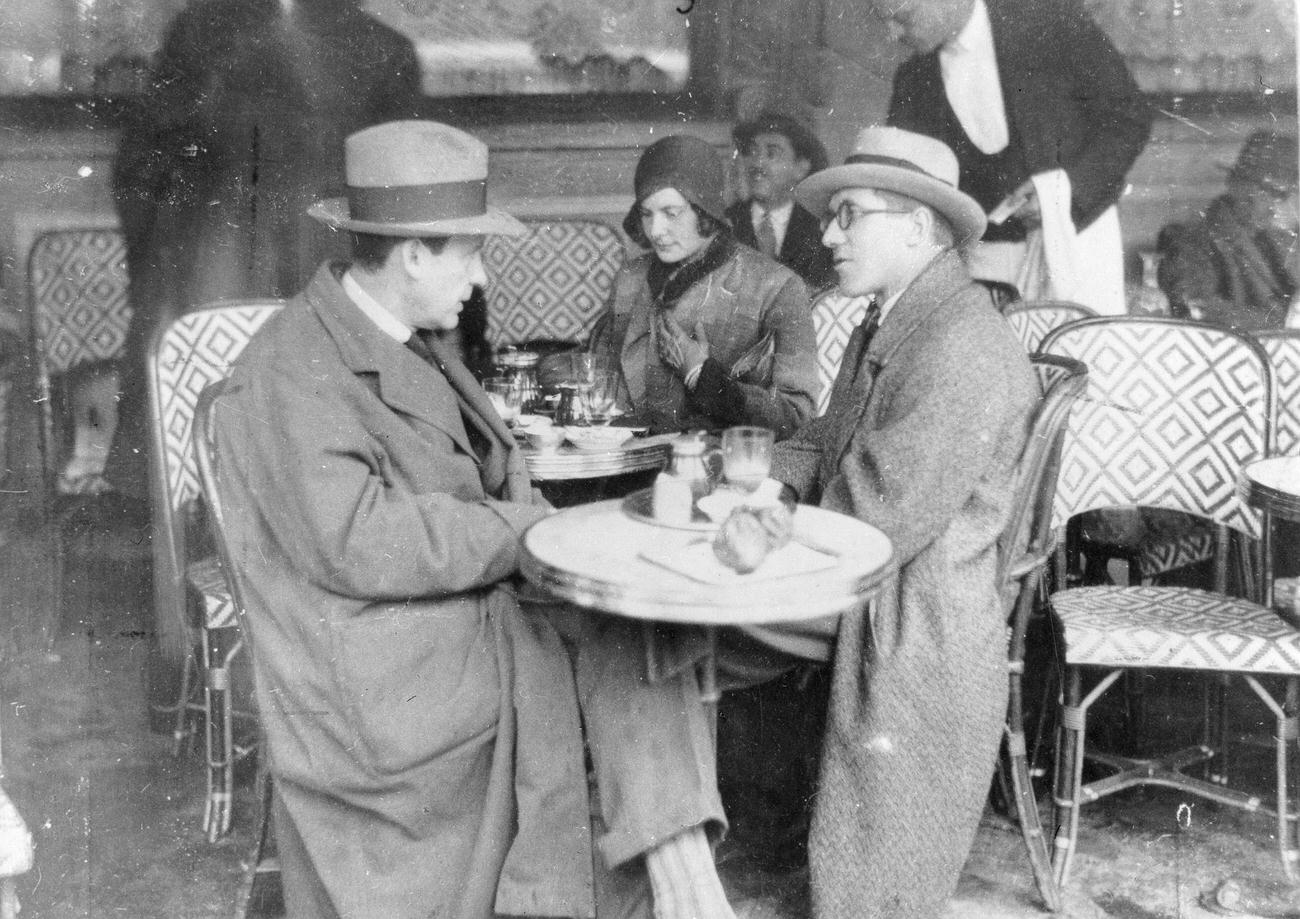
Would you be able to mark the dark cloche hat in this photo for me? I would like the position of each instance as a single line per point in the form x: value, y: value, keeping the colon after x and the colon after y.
x: 685, y: 163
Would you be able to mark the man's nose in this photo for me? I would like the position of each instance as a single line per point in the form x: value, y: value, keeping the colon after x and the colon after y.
x: 478, y: 274
x: 832, y: 234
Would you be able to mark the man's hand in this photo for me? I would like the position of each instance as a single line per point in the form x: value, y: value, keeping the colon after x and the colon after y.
x: 1022, y: 203
x: 684, y: 353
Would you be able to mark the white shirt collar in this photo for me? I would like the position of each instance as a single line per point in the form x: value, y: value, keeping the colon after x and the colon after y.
x: 780, y: 218
x: 379, y: 315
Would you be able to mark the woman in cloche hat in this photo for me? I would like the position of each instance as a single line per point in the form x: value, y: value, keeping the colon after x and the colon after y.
x: 706, y: 331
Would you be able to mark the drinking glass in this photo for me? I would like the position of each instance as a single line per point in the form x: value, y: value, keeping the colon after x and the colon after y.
x: 599, y: 396
x: 505, y: 395
x: 746, y: 457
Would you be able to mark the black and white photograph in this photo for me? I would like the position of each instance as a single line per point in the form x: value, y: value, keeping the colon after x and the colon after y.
x: 649, y: 459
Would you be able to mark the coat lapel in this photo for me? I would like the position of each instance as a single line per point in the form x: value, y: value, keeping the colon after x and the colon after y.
x: 406, y: 383
x: 931, y: 289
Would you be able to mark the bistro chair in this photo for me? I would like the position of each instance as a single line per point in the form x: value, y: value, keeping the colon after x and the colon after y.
x: 194, y: 350
x: 1023, y: 553
x: 551, y: 283
x: 1031, y: 320
x: 1172, y: 412
x: 79, y: 315
x: 263, y: 869
x: 1151, y: 543
x: 834, y: 316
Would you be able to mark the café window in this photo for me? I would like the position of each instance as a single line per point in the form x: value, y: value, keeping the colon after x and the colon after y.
x: 465, y: 47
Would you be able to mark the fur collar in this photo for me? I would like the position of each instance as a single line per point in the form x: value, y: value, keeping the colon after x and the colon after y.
x: 669, y: 282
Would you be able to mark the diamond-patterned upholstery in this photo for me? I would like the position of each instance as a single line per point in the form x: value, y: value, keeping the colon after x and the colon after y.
x: 834, y: 317
x: 194, y: 350
x: 209, y: 581
x: 1172, y: 411
x: 78, y: 290
x: 1283, y: 348
x: 1178, y: 627
x: 1031, y: 320
x: 550, y: 283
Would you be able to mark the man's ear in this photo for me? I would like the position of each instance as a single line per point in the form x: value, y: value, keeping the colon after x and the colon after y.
x: 805, y: 166
x: 920, y: 226
x: 409, y: 254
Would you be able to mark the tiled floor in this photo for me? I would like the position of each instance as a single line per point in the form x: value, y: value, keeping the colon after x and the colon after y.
x: 116, y: 817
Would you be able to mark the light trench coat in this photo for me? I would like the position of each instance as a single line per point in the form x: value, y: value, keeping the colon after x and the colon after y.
x: 423, y: 732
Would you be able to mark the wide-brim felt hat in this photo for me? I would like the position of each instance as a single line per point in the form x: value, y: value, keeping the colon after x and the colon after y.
x: 688, y: 164
x: 418, y: 179
x: 908, y: 164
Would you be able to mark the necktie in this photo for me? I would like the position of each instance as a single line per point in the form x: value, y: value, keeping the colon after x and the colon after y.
x: 860, y: 340
x: 766, y: 236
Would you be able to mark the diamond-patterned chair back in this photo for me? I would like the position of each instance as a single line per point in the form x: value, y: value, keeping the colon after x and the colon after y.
x: 78, y: 313
x: 1283, y: 347
x: 550, y: 283
x: 194, y: 350
x: 1033, y: 319
x: 78, y: 297
x: 834, y: 317
x: 1172, y: 411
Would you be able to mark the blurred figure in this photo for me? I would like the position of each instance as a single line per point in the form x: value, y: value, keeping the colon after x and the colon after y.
x: 1236, y: 264
x: 777, y: 153
x: 242, y: 130
x: 1045, y: 120
x: 706, y: 332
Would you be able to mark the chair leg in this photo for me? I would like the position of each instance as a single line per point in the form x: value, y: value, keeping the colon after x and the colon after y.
x: 180, y: 730
x: 219, y: 738
x: 1031, y: 826
x: 1068, y: 787
x: 1288, y: 732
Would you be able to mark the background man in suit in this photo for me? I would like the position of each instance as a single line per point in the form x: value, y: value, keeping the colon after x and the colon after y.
x: 1028, y: 94
x: 777, y: 152
x: 926, y: 421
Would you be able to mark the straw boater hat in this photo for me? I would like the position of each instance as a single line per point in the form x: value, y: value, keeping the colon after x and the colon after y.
x: 891, y: 159
x: 415, y: 178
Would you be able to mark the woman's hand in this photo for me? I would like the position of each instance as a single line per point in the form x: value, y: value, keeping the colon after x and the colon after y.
x: 680, y: 351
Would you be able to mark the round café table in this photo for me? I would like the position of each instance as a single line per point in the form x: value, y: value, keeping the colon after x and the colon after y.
x: 568, y: 463
x: 1273, y: 486
x: 605, y: 557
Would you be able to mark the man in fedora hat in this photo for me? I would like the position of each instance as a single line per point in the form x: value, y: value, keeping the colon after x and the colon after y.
x: 1238, y: 263
x: 777, y: 152
x: 926, y: 421
x: 422, y: 726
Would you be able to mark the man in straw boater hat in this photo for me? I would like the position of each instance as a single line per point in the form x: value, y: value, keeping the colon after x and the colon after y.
x: 422, y: 725
x: 926, y: 421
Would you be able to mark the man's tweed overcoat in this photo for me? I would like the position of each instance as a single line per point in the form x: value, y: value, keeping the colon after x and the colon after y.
x: 921, y: 438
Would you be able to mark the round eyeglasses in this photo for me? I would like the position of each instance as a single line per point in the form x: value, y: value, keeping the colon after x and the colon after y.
x: 844, y: 215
